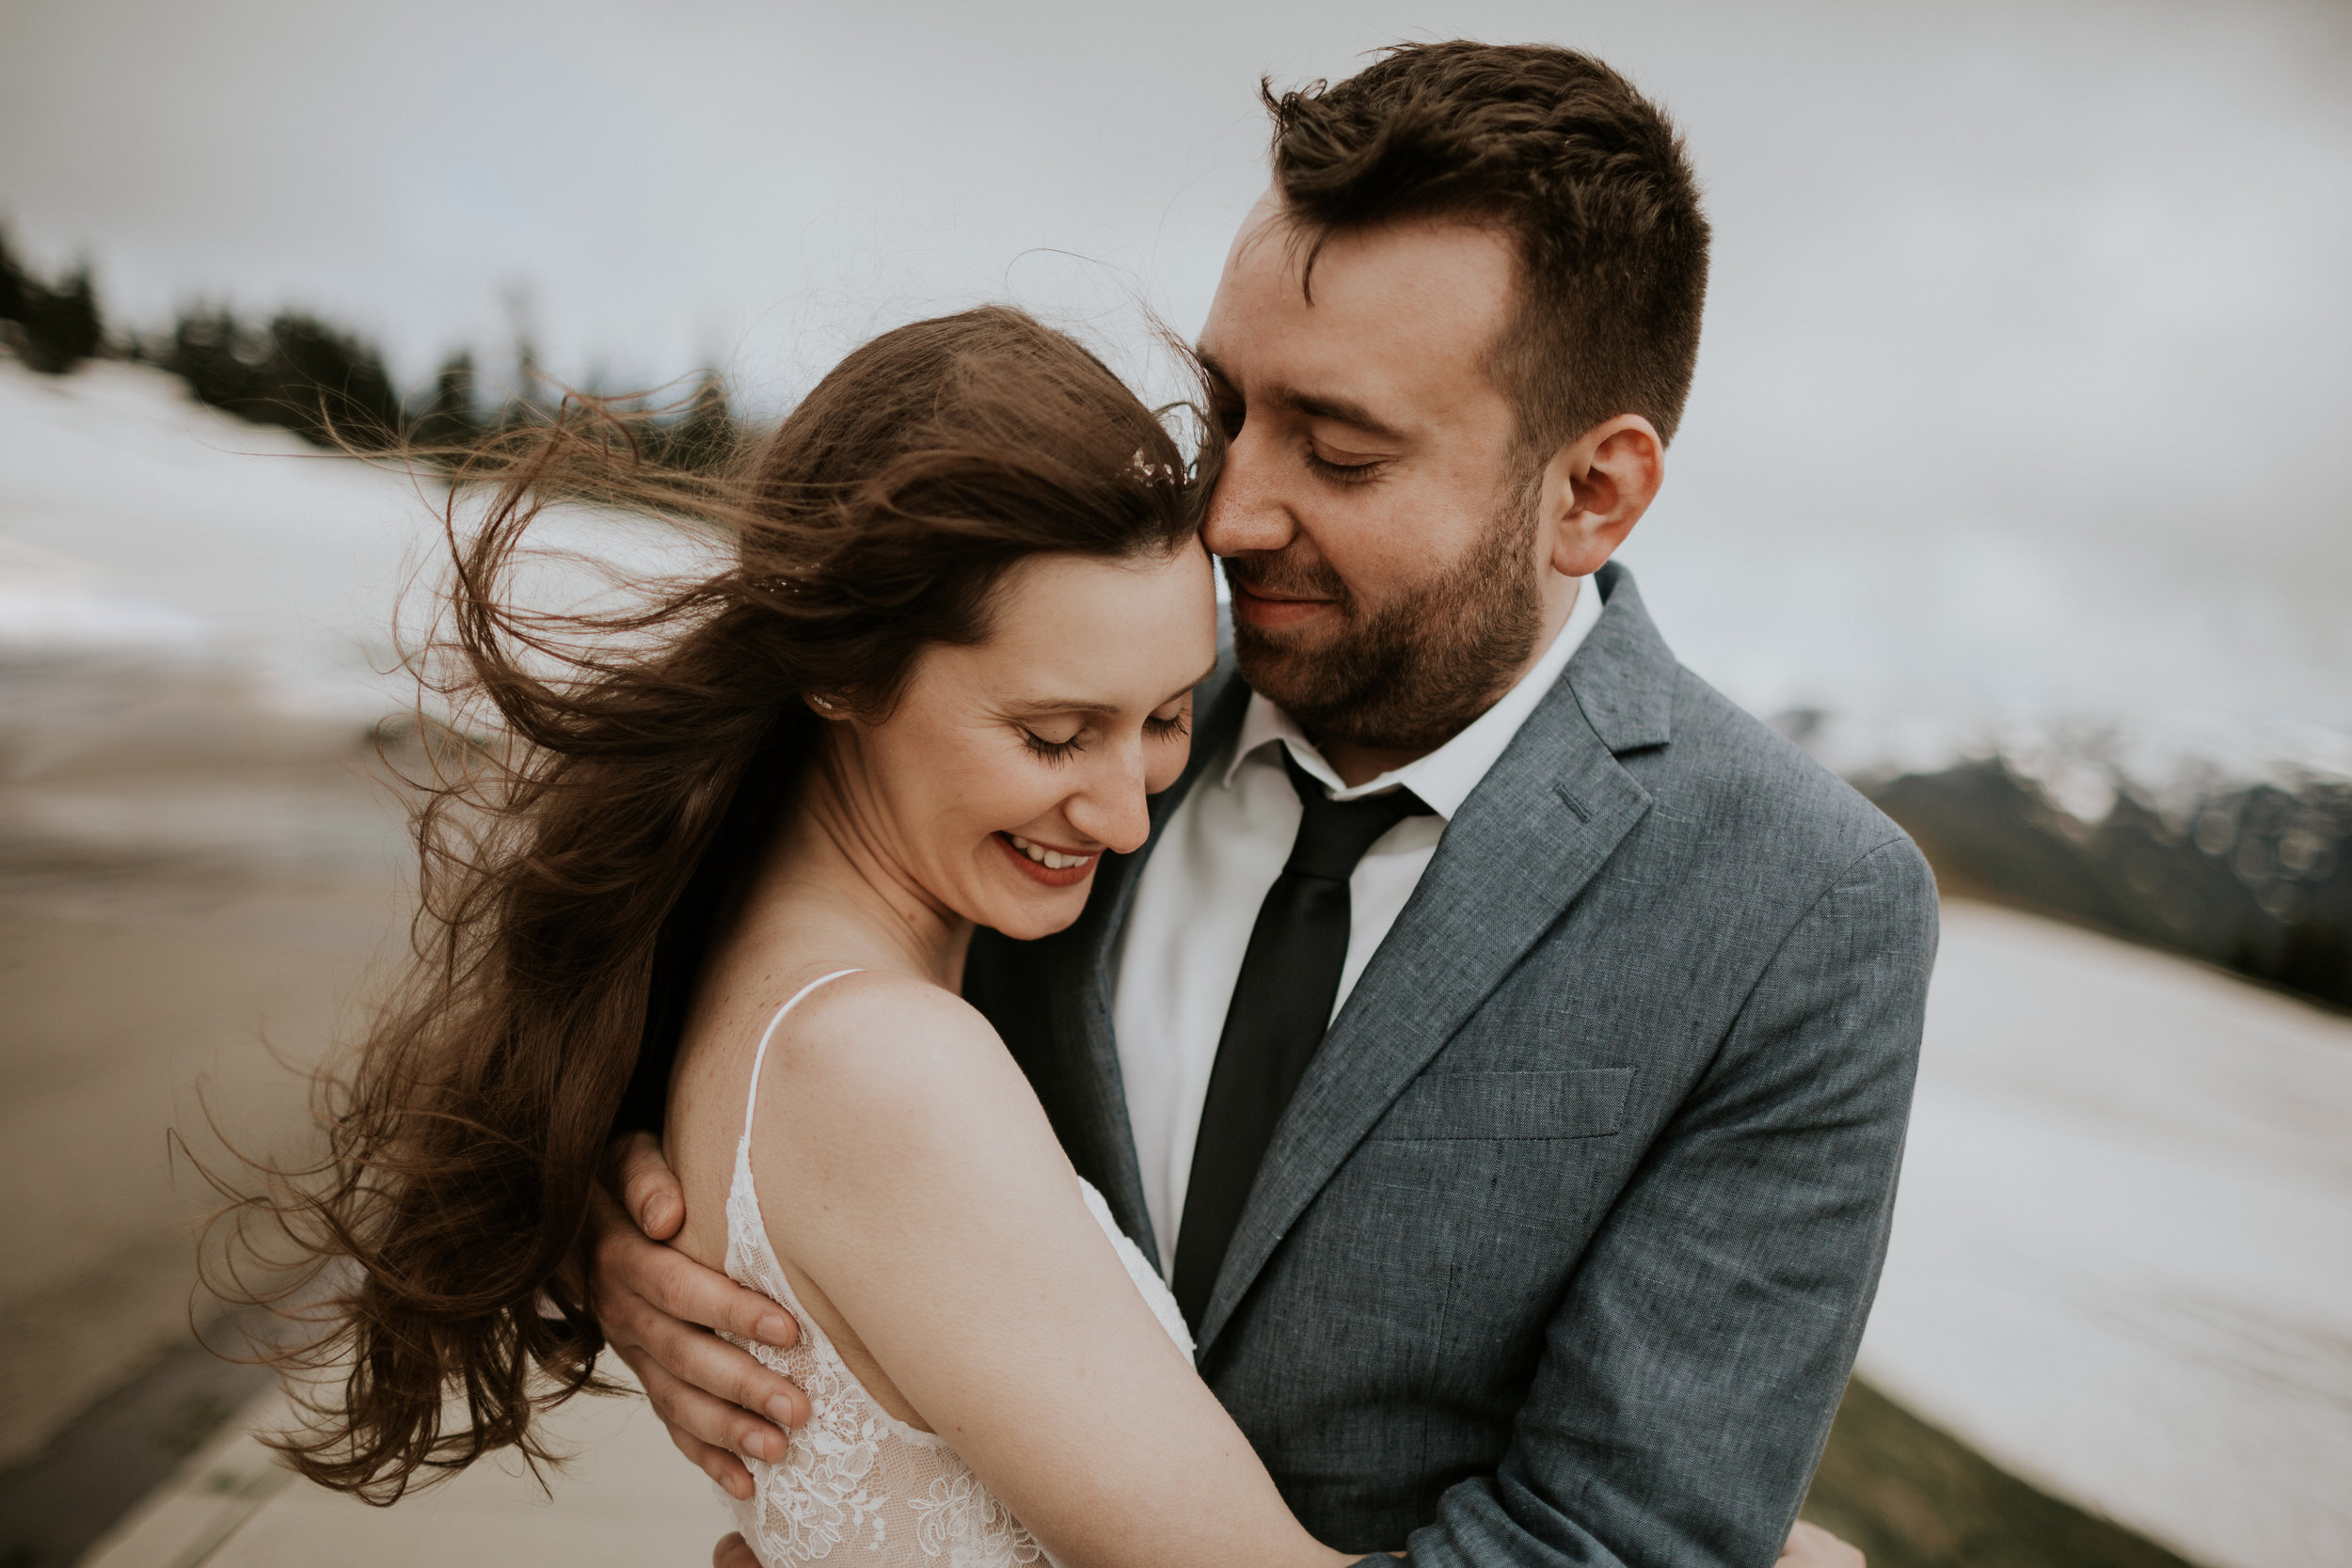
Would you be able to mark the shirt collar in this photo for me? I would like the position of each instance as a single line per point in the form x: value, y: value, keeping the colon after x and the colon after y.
x: 1444, y: 778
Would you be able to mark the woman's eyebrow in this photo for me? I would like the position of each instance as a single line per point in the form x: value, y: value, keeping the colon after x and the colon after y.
x: 1060, y: 705
x: 1029, y: 705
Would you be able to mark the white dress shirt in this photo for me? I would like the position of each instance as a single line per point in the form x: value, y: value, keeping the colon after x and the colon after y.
x: 1181, y: 950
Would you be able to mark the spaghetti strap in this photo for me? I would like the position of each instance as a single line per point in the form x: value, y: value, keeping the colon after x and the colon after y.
x: 858, y: 1482
x: 750, y: 1102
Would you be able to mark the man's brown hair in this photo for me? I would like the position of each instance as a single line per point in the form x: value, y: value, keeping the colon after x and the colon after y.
x: 1558, y: 150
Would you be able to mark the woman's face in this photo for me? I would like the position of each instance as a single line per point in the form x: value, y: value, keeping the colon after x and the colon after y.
x: 1008, y: 767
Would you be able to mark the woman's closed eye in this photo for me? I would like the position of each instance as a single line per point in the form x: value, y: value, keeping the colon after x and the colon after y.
x: 1053, y: 751
x: 1174, y: 726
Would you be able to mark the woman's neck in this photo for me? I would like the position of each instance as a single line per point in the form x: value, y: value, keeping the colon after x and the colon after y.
x: 831, y: 869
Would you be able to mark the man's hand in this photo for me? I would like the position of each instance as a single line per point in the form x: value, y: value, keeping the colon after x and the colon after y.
x: 658, y: 1307
x: 1809, y: 1546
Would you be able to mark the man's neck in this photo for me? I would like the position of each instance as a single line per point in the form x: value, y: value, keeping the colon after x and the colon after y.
x: 1357, y: 765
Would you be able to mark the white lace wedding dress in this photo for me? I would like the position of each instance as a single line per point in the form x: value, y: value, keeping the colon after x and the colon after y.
x: 855, y: 1481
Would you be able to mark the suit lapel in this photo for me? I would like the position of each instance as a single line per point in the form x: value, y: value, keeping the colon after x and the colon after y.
x: 1078, y: 985
x: 1523, y: 846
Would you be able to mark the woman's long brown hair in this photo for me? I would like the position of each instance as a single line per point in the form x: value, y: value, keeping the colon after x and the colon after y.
x: 447, y: 1221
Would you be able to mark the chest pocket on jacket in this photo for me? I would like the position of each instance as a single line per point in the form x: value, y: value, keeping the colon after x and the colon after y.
x: 1484, y: 1105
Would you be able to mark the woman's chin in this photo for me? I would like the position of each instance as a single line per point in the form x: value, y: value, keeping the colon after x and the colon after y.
x: 1023, y: 897
x: 1025, y: 904
x: 1027, y: 913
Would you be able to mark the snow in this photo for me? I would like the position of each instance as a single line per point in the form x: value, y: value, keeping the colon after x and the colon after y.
x: 2123, y: 1252
x: 136, y: 523
x: 167, y: 571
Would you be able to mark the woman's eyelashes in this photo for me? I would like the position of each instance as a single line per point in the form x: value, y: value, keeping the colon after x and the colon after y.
x: 1174, y: 726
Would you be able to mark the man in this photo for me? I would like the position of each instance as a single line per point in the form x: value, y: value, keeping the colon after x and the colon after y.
x: 1556, y: 1245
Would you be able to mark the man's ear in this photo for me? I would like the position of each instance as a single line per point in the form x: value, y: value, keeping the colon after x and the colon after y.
x: 1595, y: 488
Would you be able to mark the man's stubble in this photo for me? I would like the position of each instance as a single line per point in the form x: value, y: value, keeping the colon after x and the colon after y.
x: 1411, y: 674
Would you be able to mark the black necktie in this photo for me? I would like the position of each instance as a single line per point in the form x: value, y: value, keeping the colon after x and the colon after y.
x: 1290, y: 978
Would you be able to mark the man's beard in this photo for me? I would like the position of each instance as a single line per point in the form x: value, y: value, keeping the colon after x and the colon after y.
x: 1409, y: 675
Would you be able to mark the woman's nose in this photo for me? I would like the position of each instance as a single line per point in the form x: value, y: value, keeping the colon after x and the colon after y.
x: 1113, y: 809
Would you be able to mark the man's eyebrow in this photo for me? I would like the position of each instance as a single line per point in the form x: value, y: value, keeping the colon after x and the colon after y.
x: 1341, y: 411
x: 1314, y: 405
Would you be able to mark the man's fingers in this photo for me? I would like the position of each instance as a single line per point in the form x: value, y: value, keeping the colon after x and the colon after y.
x: 675, y: 1285
x: 734, y: 1552
x: 718, y: 1369
x: 733, y: 1476
x: 688, y: 1412
x: 729, y: 1472
x: 649, y: 1189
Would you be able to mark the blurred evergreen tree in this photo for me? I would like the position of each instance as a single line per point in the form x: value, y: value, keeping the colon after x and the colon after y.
x: 448, y: 419
x: 64, y: 328
x: 529, y: 402
x: 326, y: 384
x: 13, y: 281
x: 337, y: 383
x: 52, y: 327
x: 704, y: 437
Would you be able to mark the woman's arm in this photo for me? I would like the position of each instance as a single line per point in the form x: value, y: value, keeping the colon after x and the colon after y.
x: 921, y: 1189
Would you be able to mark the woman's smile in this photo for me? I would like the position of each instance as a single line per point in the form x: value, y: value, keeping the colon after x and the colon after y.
x: 1043, y: 863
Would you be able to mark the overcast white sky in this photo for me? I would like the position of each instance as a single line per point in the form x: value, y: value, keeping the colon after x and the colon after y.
x: 2029, y: 322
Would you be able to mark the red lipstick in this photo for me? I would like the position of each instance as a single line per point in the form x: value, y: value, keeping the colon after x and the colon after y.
x: 1037, y: 871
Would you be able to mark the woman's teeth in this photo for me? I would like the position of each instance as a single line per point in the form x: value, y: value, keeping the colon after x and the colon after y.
x: 1053, y: 859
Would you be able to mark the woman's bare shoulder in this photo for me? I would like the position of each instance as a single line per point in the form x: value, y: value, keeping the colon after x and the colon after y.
x: 878, y: 1053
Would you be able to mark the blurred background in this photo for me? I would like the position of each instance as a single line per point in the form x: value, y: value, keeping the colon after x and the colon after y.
x: 2014, y: 487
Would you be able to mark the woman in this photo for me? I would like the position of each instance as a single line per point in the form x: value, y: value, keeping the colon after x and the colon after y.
x: 952, y: 650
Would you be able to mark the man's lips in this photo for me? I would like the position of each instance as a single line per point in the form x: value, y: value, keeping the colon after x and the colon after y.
x: 1065, y: 875
x: 1270, y: 611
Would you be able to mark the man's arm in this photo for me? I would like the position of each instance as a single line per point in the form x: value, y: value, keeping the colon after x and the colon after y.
x: 1689, y: 1378
x: 658, y: 1307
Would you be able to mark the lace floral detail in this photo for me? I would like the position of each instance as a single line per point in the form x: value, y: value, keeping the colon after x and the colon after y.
x: 826, y: 1492
x: 854, y: 1478
x: 961, y: 1520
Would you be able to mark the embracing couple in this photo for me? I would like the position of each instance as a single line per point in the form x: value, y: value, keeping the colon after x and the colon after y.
x: 1427, y: 1075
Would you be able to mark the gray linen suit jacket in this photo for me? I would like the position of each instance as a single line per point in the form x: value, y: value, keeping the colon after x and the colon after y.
x: 1562, y: 1248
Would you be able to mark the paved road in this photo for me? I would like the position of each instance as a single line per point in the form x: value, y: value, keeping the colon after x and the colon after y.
x: 627, y: 1501
x: 146, y: 993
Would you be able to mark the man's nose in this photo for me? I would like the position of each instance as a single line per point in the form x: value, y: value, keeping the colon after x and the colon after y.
x: 1247, y: 512
x: 1113, y: 809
